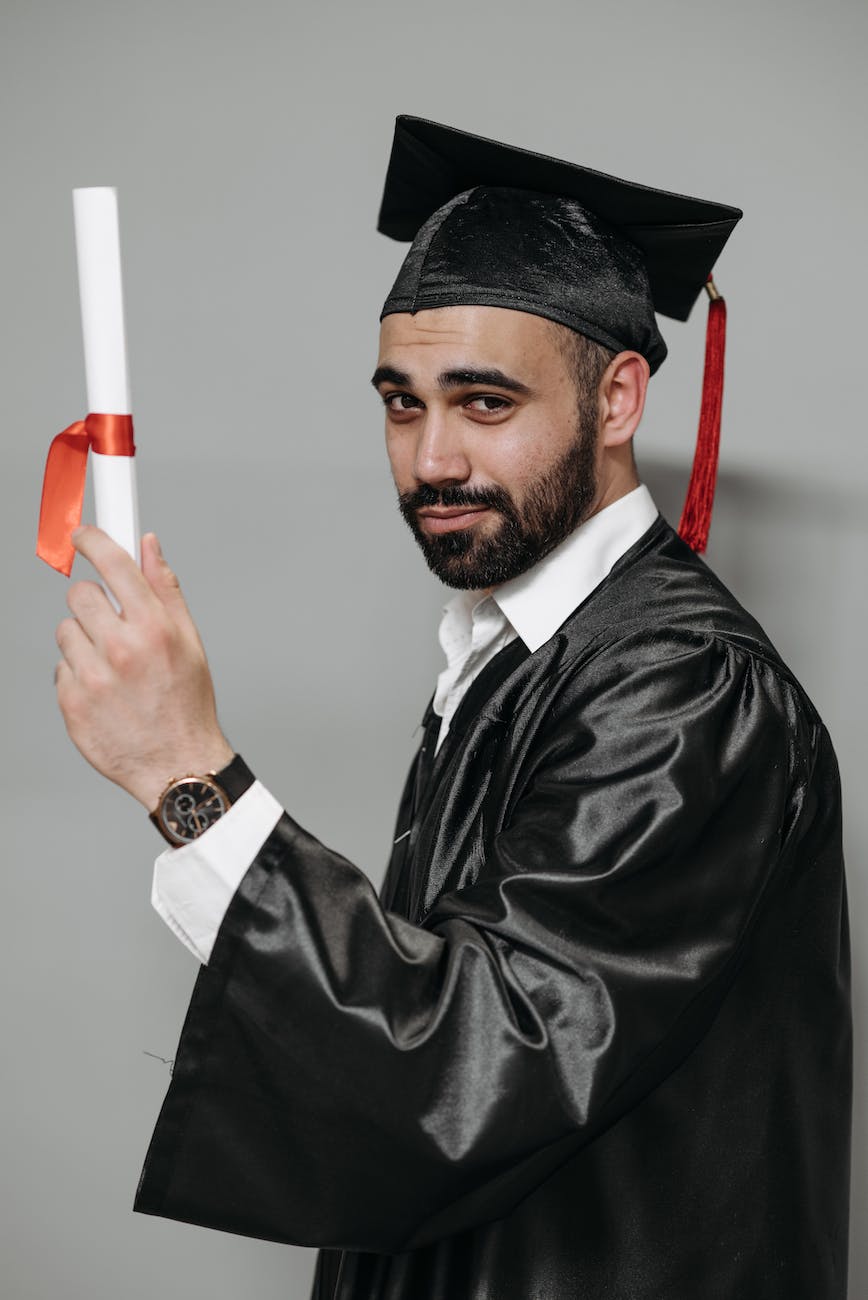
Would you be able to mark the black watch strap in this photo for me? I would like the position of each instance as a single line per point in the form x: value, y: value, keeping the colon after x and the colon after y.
x: 235, y: 778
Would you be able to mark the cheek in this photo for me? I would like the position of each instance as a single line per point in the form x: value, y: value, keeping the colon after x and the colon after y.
x: 513, y: 455
x: 402, y: 449
x: 400, y: 454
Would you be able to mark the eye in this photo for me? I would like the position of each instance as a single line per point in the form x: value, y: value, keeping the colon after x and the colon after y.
x: 488, y: 404
x: 396, y: 403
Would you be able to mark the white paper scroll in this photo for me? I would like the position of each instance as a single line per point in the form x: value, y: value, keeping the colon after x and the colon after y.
x: 97, y: 242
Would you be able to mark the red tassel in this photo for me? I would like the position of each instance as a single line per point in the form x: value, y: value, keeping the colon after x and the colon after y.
x: 696, y: 516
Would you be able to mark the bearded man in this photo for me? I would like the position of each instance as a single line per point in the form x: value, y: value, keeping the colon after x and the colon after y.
x: 592, y: 1039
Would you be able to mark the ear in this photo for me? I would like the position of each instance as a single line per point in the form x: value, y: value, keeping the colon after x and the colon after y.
x: 622, y: 398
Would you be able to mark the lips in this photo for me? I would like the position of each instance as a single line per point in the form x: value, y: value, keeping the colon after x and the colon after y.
x: 447, y: 520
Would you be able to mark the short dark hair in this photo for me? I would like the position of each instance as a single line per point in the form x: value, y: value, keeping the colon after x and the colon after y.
x: 586, y: 360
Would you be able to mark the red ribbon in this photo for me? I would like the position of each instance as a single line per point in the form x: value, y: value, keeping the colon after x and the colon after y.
x: 63, y: 485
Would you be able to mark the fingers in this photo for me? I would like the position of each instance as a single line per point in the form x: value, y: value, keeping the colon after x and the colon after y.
x: 115, y: 642
x: 154, y: 627
x: 139, y: 592
x: 76, y: 647
x: 118, y: 570
x: 166, y: 587
x: 92, y: 608
x: 162, y: 580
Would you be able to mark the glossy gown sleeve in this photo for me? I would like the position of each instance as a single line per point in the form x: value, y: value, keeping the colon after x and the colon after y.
x: 346, y: 1078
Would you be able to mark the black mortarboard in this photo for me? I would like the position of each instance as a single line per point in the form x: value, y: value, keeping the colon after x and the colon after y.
x: 494, y: 225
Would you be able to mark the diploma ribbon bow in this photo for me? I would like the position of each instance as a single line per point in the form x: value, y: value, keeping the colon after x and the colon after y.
x: 63, y: 484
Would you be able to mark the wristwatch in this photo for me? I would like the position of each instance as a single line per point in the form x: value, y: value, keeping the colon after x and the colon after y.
x: 191, y: 804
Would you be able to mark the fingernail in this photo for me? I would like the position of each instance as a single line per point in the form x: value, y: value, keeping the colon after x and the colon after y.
x: 158, y: 546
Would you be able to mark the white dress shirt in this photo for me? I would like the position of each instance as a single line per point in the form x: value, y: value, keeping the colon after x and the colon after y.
x: 194, y: 885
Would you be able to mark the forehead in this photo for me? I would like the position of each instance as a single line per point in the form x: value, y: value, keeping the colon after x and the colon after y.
x: 486, y: 335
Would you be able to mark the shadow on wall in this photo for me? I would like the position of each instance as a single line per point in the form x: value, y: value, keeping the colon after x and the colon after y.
x: 756, y: 499
x: 794, y: 553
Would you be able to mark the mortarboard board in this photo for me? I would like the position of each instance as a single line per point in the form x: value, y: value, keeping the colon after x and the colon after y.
x: 492, y: 224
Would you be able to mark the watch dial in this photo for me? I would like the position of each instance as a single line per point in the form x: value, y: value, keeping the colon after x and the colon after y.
x: 190, y: 807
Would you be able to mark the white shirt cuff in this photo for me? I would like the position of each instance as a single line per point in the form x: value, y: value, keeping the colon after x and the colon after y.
x: 194, y: 885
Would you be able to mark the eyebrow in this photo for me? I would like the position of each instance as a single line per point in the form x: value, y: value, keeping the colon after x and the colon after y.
x: 389, y: 375
x: 457, y: 378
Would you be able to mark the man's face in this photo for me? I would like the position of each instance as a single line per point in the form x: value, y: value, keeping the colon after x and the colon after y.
x: 494, y: 462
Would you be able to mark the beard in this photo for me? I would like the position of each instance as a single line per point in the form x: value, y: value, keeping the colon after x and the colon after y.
x: 554, y: 505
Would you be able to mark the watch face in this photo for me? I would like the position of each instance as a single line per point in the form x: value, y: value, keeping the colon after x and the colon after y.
x: 190, y: 806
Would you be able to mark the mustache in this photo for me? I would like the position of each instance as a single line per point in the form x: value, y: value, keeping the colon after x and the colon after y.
x: 425, y: 496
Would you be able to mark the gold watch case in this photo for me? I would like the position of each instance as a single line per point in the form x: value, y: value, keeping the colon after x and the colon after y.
x: 188, y: 807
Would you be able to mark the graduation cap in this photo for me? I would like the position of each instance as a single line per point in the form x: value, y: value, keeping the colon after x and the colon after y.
x: 494, y: 225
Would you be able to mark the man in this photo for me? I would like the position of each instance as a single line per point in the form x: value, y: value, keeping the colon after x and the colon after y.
x: 593, y: 1039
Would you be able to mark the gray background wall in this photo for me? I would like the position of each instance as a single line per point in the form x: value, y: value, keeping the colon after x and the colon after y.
x: 248, y: 144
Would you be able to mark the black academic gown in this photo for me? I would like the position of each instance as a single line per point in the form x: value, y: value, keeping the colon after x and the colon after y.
x: 594, y: 1041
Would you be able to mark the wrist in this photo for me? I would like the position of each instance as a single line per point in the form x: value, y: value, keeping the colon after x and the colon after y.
x: 150, y: 782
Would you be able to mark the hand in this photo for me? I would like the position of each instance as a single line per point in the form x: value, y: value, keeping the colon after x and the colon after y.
x: 134, y: 688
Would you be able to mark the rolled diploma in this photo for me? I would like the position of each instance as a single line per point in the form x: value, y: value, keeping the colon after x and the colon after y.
x: 97, y: 241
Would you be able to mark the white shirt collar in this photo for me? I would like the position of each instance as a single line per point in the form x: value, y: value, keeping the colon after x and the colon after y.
x: 533, y: 606
x: 537, y: 602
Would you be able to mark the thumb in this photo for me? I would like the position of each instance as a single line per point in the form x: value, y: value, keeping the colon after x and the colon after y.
x: 159, y: 576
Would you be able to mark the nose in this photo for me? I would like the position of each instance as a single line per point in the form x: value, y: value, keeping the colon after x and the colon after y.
x: 440, y: 457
